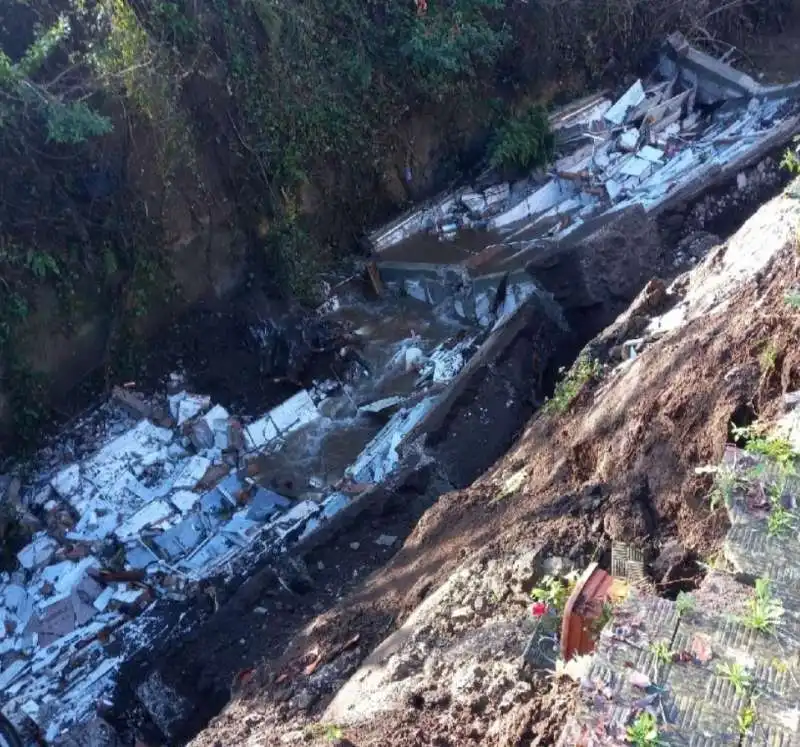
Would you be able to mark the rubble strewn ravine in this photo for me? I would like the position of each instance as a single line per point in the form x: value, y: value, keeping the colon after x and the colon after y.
x: 164, y: 494
x: 168, y: 490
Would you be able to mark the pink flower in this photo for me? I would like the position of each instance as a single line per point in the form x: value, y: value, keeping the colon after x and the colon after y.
x: 539, y: 609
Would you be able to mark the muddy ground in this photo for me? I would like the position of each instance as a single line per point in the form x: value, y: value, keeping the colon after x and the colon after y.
x: 618, y: 465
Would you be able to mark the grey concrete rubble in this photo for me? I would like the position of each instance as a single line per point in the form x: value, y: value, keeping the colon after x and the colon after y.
x: 144, y: 511
x: 654, y: 147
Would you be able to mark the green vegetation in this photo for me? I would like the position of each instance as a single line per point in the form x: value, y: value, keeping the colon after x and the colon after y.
x: 737, y: 675
x: 554, y: 591
x: 570, y: 386
x: 328, y: 732
x: 792, y: 298
x: 643, y: 732
x: 763, y: 611
x: 768, y: 359
x: 524, y: 142
x: 745, y: 719
x: 685, y: 603
x: 726, y: 482
x: 662, y: 652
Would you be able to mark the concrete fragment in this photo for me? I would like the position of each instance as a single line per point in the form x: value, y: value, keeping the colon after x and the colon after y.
x: 634, y: 96
x: 152, y: 513
x: 182, y: 538
x: 184, y: 500
x: 66, y: 482
x: 38, y: 553
x: 265, y: 503
x: 386, y: 540
x: 385, y: 406
x: 292, y: 520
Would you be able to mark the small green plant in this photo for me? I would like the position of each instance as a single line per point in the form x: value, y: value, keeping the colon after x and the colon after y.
x: 792, y: 298
x: 780, y: 521
x: 643, y: 732
x: 725, y: 483
x: 763, y: 611
x: 685, y: 603
x: 768, y: 359
x: 759, y: 443
x: 745, y: 719
x: 554, y: 591
x: 661, y: 651
x: 737, y: 675
x: 524, y: 142
x: 778, y: 449
x: 328, y: 732
x: 791, y: 161
x: 570, y: 386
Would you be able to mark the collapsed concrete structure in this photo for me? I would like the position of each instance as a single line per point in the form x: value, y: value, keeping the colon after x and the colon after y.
x: 695, y: 123
x: 163, y: 501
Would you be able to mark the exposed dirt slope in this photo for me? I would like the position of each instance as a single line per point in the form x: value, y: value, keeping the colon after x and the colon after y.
x: 619, y: 464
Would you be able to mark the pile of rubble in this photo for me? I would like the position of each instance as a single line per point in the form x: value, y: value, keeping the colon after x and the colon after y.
x: 695, y: 123
x: 167, y: 497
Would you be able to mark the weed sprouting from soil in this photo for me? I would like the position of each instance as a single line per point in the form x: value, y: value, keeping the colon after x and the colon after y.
x: 685, y: 603
x: 792, y: 298
x: 763, y: 611
x: 737, y: 675
x: 768, y: 359
x: 726, y: 481
x: 584, y: 370
x: 643, y: 732
x: 780, y: 521
x: 745, y: 719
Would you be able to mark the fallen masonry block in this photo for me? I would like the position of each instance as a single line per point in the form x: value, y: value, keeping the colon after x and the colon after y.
x: 38, y: 553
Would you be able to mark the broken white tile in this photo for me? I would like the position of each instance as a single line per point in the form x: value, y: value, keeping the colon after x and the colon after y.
x: 649, y: 153
x: 288, y: 521
x: 294, y: 413
x: 614, y: 189
x: 629, y: 139
x: 103, y: 600
x: 259, y: 433
x: 208, y: 555
x: 636, y: 167
x: 241, y: 526
x: 184, y: 406
x: 126, y: 595
x: 152, y: 513
x: 184, y: 500
x: 190, y: 472
x: 634, y: 96
x: 38, y: 553
x: 67, y: 481
x: 474, y: 202
x: 98, y: 521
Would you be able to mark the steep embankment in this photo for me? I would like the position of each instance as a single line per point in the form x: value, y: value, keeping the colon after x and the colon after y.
x: 158, y: 154
x: 613, y: 458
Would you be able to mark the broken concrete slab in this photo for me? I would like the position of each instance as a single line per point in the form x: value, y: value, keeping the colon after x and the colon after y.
x: 38, y: 553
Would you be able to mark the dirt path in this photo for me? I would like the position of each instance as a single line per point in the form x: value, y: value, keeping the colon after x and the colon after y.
x: 618, y: 465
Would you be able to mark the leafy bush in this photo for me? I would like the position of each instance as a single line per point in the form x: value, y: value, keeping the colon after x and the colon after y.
x: 75, y: 122
x: 524, y: 142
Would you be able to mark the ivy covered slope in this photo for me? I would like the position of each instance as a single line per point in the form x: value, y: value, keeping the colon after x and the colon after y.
x: 153, y: 149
